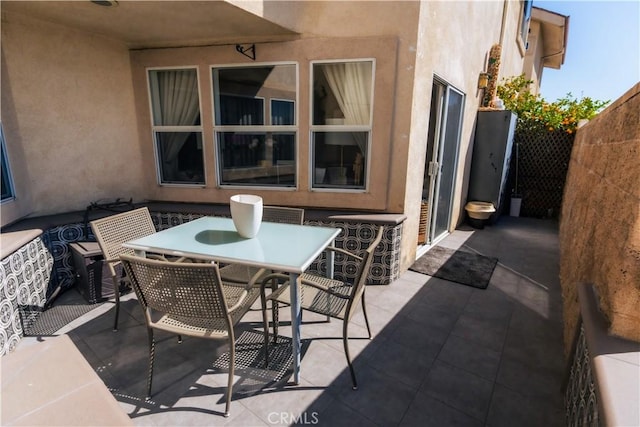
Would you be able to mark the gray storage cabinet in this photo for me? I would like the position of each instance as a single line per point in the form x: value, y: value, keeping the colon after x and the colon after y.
x: 492, y: 150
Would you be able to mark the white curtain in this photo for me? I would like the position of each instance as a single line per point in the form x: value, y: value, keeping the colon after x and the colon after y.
x: 178, y: 98
x: 350, y: 83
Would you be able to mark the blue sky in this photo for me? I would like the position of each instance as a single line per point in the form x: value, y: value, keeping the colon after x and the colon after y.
x: 603, y: 52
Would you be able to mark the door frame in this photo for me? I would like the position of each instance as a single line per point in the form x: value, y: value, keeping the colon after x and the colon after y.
x: 433, y: 166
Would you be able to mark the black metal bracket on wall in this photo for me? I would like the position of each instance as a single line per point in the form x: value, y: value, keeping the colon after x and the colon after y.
x: 249, y: 52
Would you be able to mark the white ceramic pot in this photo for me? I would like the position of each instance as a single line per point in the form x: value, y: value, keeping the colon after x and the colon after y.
x: 479, y: 210
x: 246, y: 212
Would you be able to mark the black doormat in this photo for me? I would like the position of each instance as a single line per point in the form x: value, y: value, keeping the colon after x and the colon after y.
x: 458, y: 266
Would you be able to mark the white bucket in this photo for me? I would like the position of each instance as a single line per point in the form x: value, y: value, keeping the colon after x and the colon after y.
x: 514, y: 210
x: 246, y: 212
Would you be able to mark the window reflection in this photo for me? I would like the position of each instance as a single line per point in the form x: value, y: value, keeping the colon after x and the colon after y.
x: 261, y: 98
x: 180, y: 155
x: 257, y: 158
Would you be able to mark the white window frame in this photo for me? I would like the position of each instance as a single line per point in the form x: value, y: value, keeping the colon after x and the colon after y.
x: 267, y: 127
x: 342, y: 128
x: 6, y: 169
x: 157, y: 128
x: 525, y: 23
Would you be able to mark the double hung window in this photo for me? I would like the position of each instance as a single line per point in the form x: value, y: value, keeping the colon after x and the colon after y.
x: 341, y: 123
x: 255, y: 125
x: 177, y: 129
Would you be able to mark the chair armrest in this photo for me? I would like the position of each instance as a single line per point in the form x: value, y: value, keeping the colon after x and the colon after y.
x: 246, y: 286
x: 152, y: 256
x: 323, y: 288
x: 344, y: 252
x: 240, y: 301
x: 269, y: 277
x: 255, y: 277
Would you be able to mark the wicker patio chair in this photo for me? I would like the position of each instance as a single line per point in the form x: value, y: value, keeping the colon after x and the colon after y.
x: 244, y: 274
x: 111, y: 232
x: 188, y: 299
x: 333, y: 298
x: 239, y: 273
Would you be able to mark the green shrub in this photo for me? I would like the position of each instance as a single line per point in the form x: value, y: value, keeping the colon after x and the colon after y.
x: 534, y: 113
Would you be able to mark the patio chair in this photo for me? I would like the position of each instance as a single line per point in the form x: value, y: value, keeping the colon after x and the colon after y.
x: 244, y: 274
x: 333, y: 298
x: 239, y: 273
x: 189, y: 299
x: 111, y: 232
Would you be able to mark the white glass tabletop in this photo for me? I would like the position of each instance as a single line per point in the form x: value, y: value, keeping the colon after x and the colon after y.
x: 281, y: 247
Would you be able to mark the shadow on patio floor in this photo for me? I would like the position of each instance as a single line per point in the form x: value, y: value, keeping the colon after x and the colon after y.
x: 442, y: 353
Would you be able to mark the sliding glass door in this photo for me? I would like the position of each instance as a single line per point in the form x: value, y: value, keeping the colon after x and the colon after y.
x: 442, y: 156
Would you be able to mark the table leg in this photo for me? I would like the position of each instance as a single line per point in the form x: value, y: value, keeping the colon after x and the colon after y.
x: 330, y: 268
x: 330, y: 259
x: 296, y: 319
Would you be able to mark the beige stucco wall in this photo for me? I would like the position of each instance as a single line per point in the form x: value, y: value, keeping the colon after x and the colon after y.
x: 67, y: 107
x: 513, y: 47
x: 454, y: 43
x: 600, y: 224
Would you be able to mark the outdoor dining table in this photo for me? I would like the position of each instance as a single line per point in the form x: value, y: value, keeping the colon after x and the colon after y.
x: 279, y: 247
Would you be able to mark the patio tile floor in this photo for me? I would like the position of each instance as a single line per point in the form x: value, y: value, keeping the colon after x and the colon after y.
x: 442, y: 353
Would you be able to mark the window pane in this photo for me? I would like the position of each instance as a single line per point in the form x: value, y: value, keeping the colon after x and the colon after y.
x: 6, y: 188
x: 174, y: 97
x: 339, y: 159
x: 238, y: 110
x: 282, y: 112
x: 181, y: 159
x: 342, y: 91
x: 526, y: 17
x: 257, y: 158
x: 5, y: 180
x: 240, y: 93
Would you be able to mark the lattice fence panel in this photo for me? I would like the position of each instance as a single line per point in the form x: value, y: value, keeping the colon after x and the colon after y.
x: 543, y: 161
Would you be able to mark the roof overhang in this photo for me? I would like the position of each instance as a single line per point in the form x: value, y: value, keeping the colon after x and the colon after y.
x: 554, y: 29
x: 157, y: 24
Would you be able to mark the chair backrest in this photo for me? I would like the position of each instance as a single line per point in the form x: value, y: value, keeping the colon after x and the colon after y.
x: 190, y: 292
x: 362, y: 274
x: 112, y: 231
x: 283, y: 215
